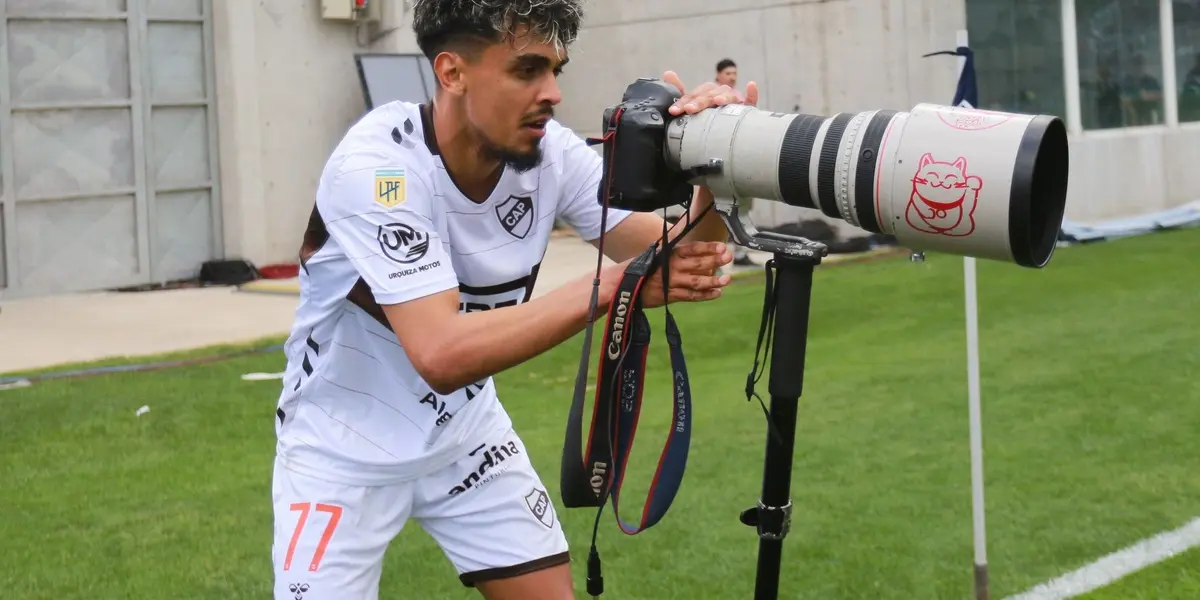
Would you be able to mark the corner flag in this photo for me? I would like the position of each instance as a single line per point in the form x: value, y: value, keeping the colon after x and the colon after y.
x: 967, y: 94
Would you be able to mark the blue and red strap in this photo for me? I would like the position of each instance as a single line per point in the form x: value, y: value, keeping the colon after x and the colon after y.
x: 673, y: 461
x: 618, y: 400
x: 618, y: 404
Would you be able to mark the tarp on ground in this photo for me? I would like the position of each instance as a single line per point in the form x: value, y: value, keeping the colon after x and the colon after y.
x: 1187, y: 215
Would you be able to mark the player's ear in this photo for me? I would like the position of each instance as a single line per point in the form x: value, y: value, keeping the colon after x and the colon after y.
x: 448, y: 67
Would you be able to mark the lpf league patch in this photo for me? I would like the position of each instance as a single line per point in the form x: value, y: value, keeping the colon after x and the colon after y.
x: 390, y: 187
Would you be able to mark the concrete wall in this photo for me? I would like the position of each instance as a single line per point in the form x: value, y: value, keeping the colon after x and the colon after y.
x: 287, y: 90
x: 1128, y: 173
x: 824, y: 57
x: 811, y: 56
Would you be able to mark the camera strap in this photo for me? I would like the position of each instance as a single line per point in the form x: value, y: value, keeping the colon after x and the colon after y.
x: 618, y: 403
x: 618, y: 397
x: 617, y: 409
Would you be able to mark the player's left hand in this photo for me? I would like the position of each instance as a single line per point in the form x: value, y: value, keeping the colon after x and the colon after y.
x: 692, y: 275
x: 707, y: 95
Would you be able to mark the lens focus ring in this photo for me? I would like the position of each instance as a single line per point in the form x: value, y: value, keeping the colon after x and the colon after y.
x: 827, y: 167
x: 844, y: 162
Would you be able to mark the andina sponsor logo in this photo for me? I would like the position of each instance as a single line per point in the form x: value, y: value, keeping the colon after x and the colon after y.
x: 492, y: 458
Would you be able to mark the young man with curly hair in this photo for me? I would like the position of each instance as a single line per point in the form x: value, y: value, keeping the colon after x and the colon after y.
x: 419, y: 263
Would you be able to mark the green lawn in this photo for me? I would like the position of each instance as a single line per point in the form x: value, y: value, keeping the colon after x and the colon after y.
x: 1091, y: 420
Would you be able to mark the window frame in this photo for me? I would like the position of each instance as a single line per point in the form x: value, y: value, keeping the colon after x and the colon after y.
x: 1170, y: 86
x: 1073, y: 116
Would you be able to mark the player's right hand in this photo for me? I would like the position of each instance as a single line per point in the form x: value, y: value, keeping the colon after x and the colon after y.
x: 707, y: 94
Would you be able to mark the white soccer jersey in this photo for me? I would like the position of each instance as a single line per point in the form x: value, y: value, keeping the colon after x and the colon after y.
x: 390, y: 226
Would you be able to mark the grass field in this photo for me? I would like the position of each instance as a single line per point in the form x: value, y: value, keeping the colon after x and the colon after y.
x: 1178, y: 577
x: 1091, y: 407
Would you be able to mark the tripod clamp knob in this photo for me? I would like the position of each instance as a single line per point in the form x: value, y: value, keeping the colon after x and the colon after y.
x: 773, y: 522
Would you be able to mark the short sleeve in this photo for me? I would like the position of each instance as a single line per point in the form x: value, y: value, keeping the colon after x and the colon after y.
x: 382, y: 219
x: 580, y: 205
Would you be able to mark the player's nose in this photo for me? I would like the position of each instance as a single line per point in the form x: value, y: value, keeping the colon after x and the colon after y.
x: 550, y: 93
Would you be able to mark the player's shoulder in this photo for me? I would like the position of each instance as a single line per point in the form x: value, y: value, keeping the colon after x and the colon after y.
x: 561, y: 138
x: 567, y: 151
x: 391, y: 135
x: 382, y: 158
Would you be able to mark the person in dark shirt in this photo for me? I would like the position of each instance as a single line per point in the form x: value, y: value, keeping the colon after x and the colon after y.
x: 1108, y: 98
x: 1189, y: 93
x: 1143, y: 95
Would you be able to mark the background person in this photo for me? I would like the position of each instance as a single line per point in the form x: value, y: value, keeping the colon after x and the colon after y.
x: 727, y: 74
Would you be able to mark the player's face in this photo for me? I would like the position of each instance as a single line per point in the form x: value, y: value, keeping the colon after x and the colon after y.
x: 513, y: 92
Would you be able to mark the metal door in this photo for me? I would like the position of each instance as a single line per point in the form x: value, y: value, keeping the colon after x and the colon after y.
x: 107, y: 143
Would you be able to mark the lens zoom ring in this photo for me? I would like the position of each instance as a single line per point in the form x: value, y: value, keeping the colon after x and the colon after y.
x: 794, y: 156
x: 864, y: 178
x: 827, y: 167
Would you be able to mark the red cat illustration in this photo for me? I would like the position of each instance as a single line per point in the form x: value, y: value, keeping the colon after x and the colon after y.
x: 943, y: 197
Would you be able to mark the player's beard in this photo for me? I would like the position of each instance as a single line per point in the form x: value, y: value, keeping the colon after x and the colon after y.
x: 520, y: 162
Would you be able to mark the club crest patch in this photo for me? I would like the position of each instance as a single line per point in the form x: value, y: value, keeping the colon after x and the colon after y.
x: 516, y: 215
x: 390, y: 187
x: 539, y: 504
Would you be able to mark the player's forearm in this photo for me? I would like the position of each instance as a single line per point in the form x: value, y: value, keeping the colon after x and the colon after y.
x: 481, y: 344
x: 711, y: 228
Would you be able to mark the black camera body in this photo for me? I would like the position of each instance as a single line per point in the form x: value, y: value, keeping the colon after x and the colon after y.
x: 636, y: 170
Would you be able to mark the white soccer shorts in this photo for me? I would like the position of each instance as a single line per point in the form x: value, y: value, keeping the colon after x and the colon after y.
x: 489, y: 512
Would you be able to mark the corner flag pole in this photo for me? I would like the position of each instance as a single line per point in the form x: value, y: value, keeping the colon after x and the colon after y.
x: 967, y: 95
x: 967, y: 77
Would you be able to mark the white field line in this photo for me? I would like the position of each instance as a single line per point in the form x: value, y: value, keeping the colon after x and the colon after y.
x: 1117, y: 565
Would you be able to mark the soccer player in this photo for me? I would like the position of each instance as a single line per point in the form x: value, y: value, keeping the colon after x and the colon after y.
x: 419, y: 261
